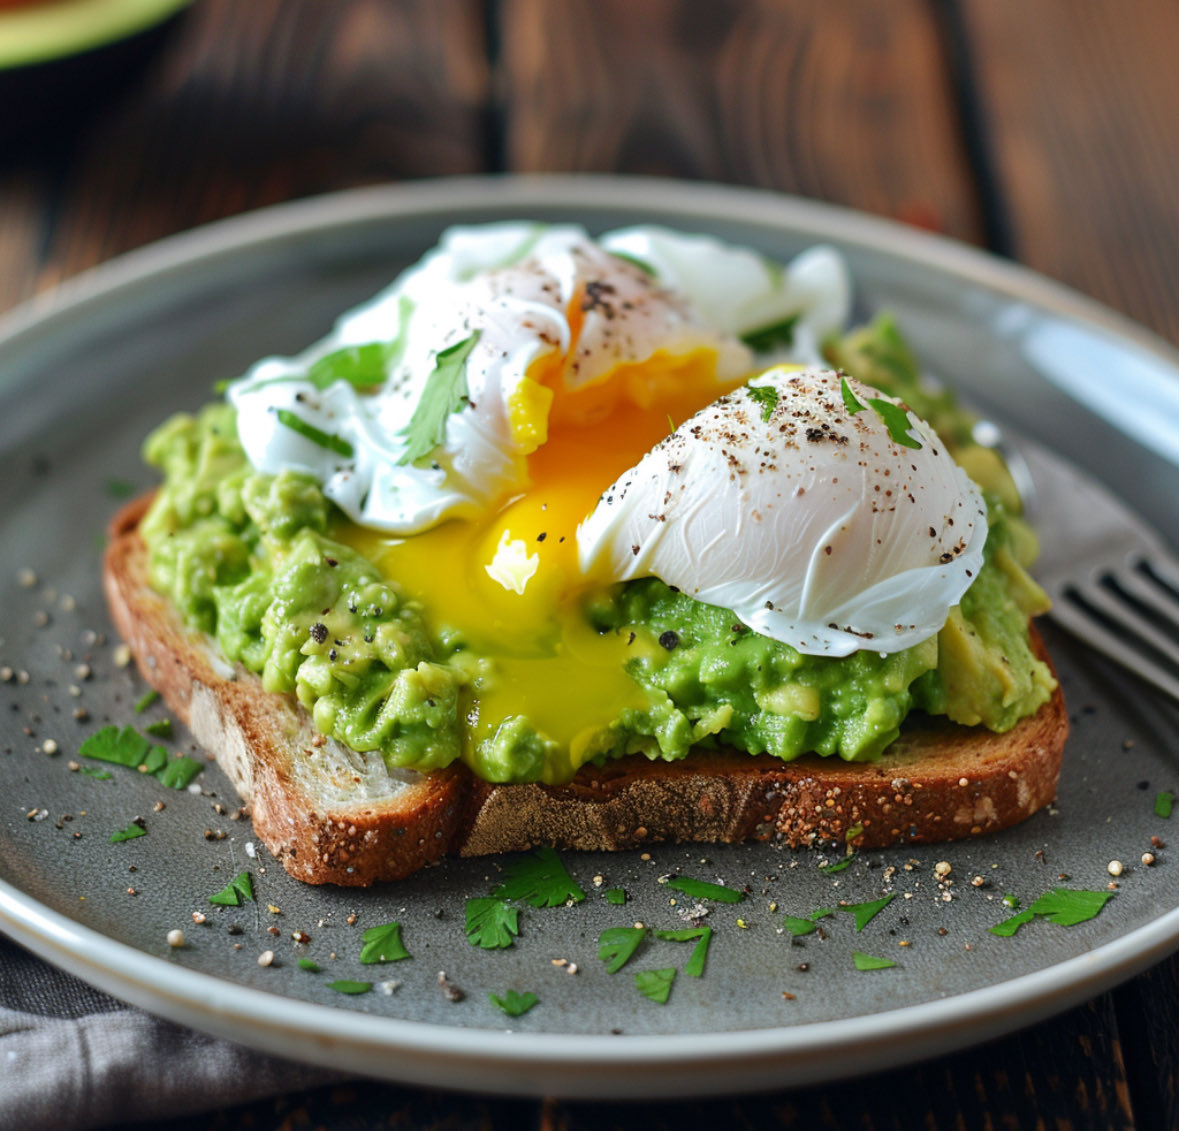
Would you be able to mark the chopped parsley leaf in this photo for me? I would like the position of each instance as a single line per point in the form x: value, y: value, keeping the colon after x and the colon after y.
x: 126, y: 746
x: 364, y: 366
x: 1163, y: 801
x: 491, y: 923
x: 347, y: 986
x: 695, y: 966
x: 239, y: 890
x: 702, y: 889
x: 866, y: 912
x: 129, y: 833
x: 850, y: 402
x: 445, y: 392
x: 896, y: 420
x: 797, y: 926
x: 766, y: 396
x: 804, y: 925
x: 515, y: 1004
x: 635, y: 261
x: 768, y: 337
x: 616, y: 896
x: 1064, y: 906
x: 382, y: 944
x: 146, y: 701
x: 161, y: 728
x: 308, y: 431
x: 655, y: 984
x: 179, y: 772
x: 838, y: 866
x: 539, y: 880
x: 308, y: 965
x: 616, y: 946
x: 98, y: 775
x: 867, y: 962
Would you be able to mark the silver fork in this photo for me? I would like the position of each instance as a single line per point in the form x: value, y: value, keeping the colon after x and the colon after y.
x: 1113, y: 582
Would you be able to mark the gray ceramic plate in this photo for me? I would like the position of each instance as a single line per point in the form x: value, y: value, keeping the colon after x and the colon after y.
x: 87, y: 371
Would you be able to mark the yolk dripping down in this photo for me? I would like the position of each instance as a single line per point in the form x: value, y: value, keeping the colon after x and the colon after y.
x: 509, y: 581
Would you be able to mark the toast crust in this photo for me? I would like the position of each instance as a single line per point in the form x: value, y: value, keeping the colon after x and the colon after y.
x: 332, y: 816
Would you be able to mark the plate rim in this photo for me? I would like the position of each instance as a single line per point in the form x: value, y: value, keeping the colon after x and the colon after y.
x: 571, y: 1065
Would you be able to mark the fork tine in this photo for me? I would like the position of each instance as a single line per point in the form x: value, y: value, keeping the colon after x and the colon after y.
x: 1146, y: 592
x: 1067, y: 613
x: 1128, y: 617
x: 1164, y: 568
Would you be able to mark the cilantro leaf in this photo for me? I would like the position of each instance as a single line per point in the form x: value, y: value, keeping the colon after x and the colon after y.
x: 179, y: 772
x: 348, y: 986
x: 308, y: 431
x: 768, y: 337
x: 129, y: 833
x: 867, y: 962
x: 616, y: 896
x: 154, y: 760
x: 445, y: 392
x: 148, y: 699
x: 702, y: 889
x: 539, y: 880
x: 1009, y: 926
x: 98, y: 775
x: 239, y: 890
x: 367, y: 365
x: 766, y: 396
x: 361, y: 366
x: 635, y: 261
x: 125, y: 747
x: 616, y: 946
x: 308, y: 965
x: 896, y: 420
x: 850, y: 401
x: 695, y: 966
x: 491, y: 923
x: 161, y: 728
x: 797, y: 926
x: 515, y: 1004
x: 655, y: 984
x: 1064, y: 906
x: 1163, y: 802
x: 382, y: 944
x: 804, y: 925
x: 866, y: 912
x: 838, y: 866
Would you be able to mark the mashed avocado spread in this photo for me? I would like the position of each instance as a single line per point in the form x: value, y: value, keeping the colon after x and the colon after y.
x: 268, y: 567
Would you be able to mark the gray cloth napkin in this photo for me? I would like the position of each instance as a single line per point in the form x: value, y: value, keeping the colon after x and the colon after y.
x: 73, y: 1058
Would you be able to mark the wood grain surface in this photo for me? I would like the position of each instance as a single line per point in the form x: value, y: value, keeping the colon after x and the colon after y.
x: 1045, y: 130
x: 1080, y: 104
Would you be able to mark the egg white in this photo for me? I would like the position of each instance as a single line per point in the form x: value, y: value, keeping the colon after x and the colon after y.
x: 661, y: 293
x: 800, y: 513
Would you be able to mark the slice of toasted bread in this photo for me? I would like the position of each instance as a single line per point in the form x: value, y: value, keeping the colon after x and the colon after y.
x: 332, y: 815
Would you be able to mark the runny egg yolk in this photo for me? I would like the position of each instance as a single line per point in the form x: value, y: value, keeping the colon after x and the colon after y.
x: 508, y: 583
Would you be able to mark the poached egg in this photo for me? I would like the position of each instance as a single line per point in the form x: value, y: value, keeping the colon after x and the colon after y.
x: 529, y: 414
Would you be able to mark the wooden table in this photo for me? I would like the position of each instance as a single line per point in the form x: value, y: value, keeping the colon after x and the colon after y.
x: 1043, y: 131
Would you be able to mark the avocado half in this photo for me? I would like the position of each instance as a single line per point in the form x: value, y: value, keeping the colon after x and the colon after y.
x: 60, y: 58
